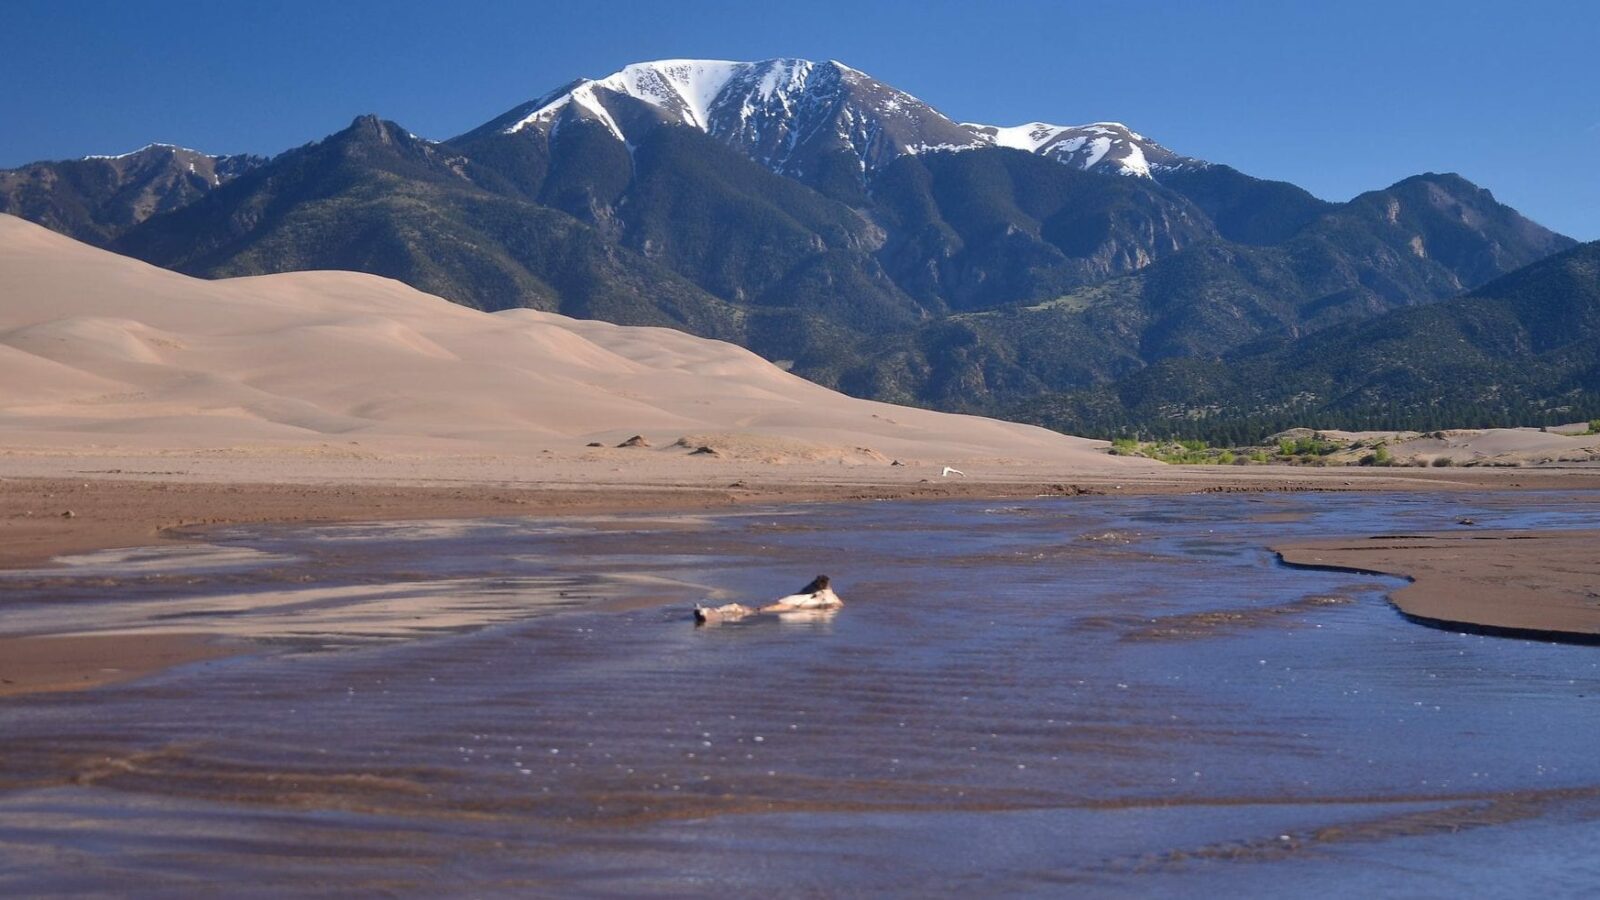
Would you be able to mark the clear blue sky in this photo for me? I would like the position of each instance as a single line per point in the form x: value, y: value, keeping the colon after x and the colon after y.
x: 1339, y: 96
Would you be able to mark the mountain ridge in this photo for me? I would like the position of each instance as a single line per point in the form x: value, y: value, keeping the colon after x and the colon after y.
x: 1519, y: 350
x: 974, y: 278
x: 94, y: 198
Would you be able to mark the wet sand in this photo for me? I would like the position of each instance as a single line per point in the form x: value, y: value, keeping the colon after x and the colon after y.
x: 1522, y: 584
x: 37, y: 665
x: 43, y: 517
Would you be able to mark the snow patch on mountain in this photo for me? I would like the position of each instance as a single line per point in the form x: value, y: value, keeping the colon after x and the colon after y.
x: 1029, y: 137
x: 151, y: 146
x: 686, y: 88
x: 1103, y: 146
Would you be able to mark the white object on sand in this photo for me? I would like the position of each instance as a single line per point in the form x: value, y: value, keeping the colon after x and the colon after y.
x: 949, y: 471
x: 726, y: 613
x: 816, y: 595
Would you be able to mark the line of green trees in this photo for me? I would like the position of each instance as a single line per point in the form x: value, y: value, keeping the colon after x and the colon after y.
x: 1253, y: 430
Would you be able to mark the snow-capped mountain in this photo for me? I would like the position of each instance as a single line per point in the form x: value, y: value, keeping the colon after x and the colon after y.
x: 788, y: 114
x: 796, y: 117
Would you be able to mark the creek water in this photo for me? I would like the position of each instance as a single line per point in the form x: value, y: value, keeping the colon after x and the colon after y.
x: 1092, y: 695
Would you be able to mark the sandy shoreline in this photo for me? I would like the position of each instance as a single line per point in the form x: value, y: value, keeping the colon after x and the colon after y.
x: 127, y: 508
x: 1538, y: 585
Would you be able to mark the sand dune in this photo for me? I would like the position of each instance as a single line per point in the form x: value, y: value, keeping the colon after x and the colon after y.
x: 98, y: 346
x: 1505, y: 446
x: 1474, y: 446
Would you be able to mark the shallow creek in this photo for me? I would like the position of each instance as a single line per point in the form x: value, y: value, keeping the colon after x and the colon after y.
x: 1113, y: 695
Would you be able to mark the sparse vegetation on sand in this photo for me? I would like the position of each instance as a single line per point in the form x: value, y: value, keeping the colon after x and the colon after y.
x: 1301, y: 447
x: 1189, y: 452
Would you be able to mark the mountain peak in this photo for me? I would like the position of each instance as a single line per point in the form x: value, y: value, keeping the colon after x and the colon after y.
x: 372, y: 125
x: 684, y: 90
x: 795, y: 116
x: 1446, y: 189
x: 370, y: 129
